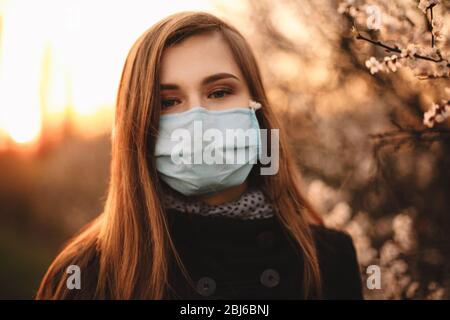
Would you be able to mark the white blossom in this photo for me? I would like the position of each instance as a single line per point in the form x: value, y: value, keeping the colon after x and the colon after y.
x: 438, y: 29
x: 392, y: 63
x: 437, y: 113
x: 409, y: 51
x: 373, y: 64
x: 255, y: 105
x: 403, y: 231
x: 389, y: 252
x: 339, y: 216
x: 399, y: 266
x: 412, y: 289
x: 373, y: 20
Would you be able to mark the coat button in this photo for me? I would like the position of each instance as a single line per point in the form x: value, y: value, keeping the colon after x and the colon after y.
x: 266, y: 240
x: 206, y: 286
x: 270, y: 278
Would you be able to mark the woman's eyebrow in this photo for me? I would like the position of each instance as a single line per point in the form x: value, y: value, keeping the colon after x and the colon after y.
x: 205, y: 81
x: 218, y: 76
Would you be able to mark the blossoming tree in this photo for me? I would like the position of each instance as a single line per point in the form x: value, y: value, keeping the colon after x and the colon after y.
x: 424, y: 53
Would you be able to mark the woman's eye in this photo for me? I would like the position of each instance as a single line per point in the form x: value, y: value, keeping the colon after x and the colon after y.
x: 165, y: 103
x: 219, y: 93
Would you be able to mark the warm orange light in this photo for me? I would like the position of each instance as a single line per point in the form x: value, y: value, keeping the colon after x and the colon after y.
x: 61, y: 61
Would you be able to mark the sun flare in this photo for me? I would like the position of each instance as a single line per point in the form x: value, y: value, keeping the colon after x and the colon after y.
x: 60, y: 61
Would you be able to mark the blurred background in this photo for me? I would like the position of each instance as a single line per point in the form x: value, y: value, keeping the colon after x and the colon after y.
x: 370, y: 165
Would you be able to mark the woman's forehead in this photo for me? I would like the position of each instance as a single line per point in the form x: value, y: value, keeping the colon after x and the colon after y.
x: 197, y: 57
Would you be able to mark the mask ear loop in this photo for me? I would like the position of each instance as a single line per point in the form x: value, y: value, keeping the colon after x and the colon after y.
x: 254, y: 105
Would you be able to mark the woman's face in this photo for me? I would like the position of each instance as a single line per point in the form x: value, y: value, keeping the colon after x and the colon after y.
x: 201, y: 71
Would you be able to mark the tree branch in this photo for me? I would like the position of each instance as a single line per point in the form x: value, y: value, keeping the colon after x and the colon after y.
x: 396, y: 49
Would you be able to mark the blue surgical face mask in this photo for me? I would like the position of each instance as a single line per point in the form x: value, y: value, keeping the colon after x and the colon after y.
x: 203, y: 151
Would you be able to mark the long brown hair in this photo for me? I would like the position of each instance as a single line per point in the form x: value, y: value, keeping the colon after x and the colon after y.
x: 130, y: 239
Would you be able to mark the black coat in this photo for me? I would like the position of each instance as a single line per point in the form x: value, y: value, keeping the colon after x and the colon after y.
x: 229, y: 258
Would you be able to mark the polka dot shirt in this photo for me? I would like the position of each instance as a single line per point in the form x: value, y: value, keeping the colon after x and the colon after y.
x: 251, y: 205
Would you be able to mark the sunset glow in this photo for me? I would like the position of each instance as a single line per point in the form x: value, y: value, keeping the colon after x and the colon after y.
x: 61, y: 61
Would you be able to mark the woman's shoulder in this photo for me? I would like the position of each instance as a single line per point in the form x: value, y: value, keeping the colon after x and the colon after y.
x: 335, y: 246
x: 333, y: 240
x: 338, y: 262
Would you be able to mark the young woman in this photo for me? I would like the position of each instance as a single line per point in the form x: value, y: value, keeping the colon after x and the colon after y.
x: 200, y: 231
